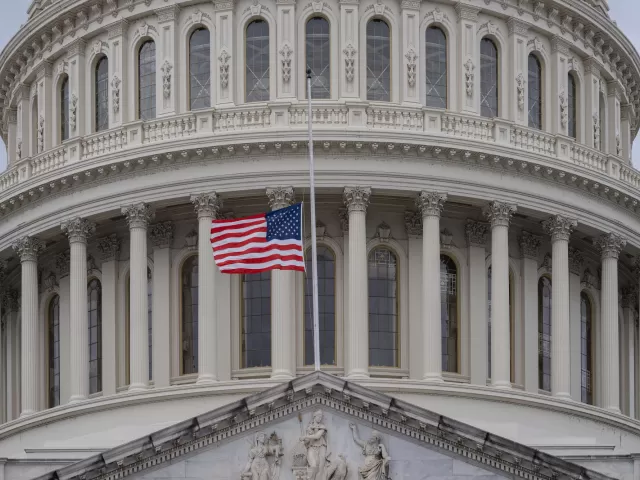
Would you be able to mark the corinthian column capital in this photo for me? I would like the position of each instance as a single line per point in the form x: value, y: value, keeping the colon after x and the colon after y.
x: 356, y: 199
x: 11, y: 301
x: 109, y: 247
x: 28, y: 248
x: 161, y: 234
x: 559, y: 227
x: 576, y: 261
x: 529, y: 245
x: 499, y: 214
x: 280, y: 197
x: 78, y: 229
x: 610, y: 245
x: 430, y: 204
x: 207, y: 204
x: 476, y: 233
x: 138, y: 215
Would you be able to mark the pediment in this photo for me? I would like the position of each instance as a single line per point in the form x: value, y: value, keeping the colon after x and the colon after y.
x: 242, y: 441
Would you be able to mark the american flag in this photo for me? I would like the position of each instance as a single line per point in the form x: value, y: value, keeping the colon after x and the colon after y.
x: 268, y: 241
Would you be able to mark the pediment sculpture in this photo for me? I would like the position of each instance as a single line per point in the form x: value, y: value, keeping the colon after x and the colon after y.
x: 264, y: 458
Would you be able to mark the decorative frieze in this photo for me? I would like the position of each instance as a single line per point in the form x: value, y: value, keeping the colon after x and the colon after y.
x: 166, y: 79
x: 28, y: 248
x: 286, y: 52
x: 138, y: 215
x: 73, y: 112
x: 411, y: 66
x: 431, y: 204
x: 559, y: 227
x: 223, y: 60
x: 436, y: 15
x: 610, y: 245
x: 115, y: 93
x: 207, y: 204
x: 469, y: 67
x: 356, y: 199
x: 499, y: 214
x: 78, y: 229
x: 564, y: 109
x: 349, y: 61
x: 530, y: 245
x: 161, y: 234
x: 40, y: 134
x: 520, y: 81
x: 476, y: 233
x: 109, y: 248
x: 467, y: 12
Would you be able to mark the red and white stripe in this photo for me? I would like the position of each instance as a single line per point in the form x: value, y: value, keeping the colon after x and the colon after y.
x: 240, y: 246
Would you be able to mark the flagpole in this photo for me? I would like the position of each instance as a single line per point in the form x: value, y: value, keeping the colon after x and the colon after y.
x: 314, y: 246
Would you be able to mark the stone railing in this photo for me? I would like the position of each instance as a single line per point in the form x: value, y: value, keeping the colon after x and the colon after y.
x: 588, y: 158
x: 9, y: 178
x: 394, y: 118
x: 104, y: 142
x: 630, y: 176
x: 241, y: 118
x: 533, y: 140
x: 462, y: 126
x: 333, y: 116
x: 49, y: 161
x: 169, y: 129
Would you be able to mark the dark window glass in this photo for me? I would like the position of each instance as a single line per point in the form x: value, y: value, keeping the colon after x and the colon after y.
x: 319, y: 57
x: 257, y: 73
x: 200, y: 69
x: 94, y: 303
x: 378, y: 61
x: 147, y: 81
x: 53, y: 346
x: 256, y: 320
x: 488, y: 78
x: 586, y: 349
x: 190, y: 315
x: 102, y: 94
x: 603, y: 123
x: 535, y: 92
x: 150, y: 320
x: 572, y: 105
x: 64, y: 109
x: 383, y: 308
x: 326, y: 308
x: 449, y: 313
x: 544, y: 334
x: 436, y: 63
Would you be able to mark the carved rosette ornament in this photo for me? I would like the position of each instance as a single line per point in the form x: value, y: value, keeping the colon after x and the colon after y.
x: 166, y: 79
x: 564, y: 109
x: 530, y: 245
x: 499, y: 214
x: 138, y: 215
x: 469, y: 67
x: 520, y: 81
x: 280, y: 197
x: 349, y: 61
x: 576, y: 261
x: 610, y: 245
x: 476, y: 233
x: 115, y: 92
x: 28, y: 248
x: 207, y: 204
x: 78, y: 229
x: 161, y: 234
x: 356, y: 199
x: 63, y: 263
x: 431, y: 204
x: 559, y: 227
x: 109, y: 248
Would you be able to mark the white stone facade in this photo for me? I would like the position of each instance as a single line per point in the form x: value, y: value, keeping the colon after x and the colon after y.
x: 114, y: 177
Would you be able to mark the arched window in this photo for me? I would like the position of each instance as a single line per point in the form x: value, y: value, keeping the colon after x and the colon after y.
x: 256, y: 320
x: 190, y: 315
x: 326, y: 308
x: 257, y: 58
x: 94, y: 303
x: 572, y: 105
x: 127, y: 340
x: 101, y: 86
x: 319, y: 57
x: 35, y: 135
x: 535, y: 92
x: 511, y: 325
x: 436, y: 67
x: 488, y: 78
x: 602, y: 118
x: 544, y: 334
x: 378, y: 60
x: 53, y: 351
x: 586, y: 349
x: 200, y: 69
x: 384, y: 326
x: 64, y: 109
x: 449, y: 313
x: 147, y: 81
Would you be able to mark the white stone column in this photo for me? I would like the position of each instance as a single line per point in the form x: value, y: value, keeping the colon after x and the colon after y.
x: 529, y: 246
x: 430, y: 205
x: 63, y: 266
x: 207, y: 206
x: 610, y: 246
x: 357, y: 320
x: 413, y: 225
x: 627, y: 351
x: 625, y: 132
x: 78, y: 230
x: 283, y: 315
x: 575, y: 269
x: 12, y: 128
x: 27, y: 249
x: 161, y: 235
x: 499, y: 214
x: 109, y: 248
x: 560, y: 229
x: 138, y: 217
x: 11, y: 305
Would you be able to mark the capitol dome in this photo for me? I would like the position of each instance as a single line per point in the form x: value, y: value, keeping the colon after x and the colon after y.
x: 478, y: 230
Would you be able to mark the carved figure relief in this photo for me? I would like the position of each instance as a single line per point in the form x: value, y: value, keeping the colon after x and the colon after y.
x: 596, y: 130
x: 469, y: 67
x: 349, y: 60
x: 40, y: 134
x: 315, y: 441
x: 520, y: 86
x: 376, y: 458
x: 19, y: 149
x: 618, y: 145
x: 224, y: 68
x: 258, y: 466
x: 286, y: 51
x: 115, y: 92
x: 166, y: 79
x: 564, y: 109
x: 73, y: 112
x: 411, y: 66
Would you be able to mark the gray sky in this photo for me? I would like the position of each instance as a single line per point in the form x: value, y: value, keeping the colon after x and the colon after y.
x: 625, y: 12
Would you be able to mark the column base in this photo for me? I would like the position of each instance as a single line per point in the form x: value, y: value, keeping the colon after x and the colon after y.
x: 358, y: 375
x: 138, y: 387
x: 77, y: 399
x: 501, y: 385
x: 206, y: 379
x: 433, y: 378
x: 608, y: 409
x: 282, y: 375
x: 26, y: 413
x: 564, y: 396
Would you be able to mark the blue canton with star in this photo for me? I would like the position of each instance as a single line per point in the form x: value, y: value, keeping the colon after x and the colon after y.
x: 285, y: 224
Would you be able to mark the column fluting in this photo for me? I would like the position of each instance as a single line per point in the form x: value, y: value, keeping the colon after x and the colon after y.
x: 560, y: 228
x: 356, y: 200
x: 499, y: 214
x: 207, y: 206
x: 28, y: 249
x: 78, y: 230
x: 430, y: 205
x: 138, y: 217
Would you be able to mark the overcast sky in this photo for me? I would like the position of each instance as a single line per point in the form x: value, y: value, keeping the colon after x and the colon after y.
x: 625, y: 12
